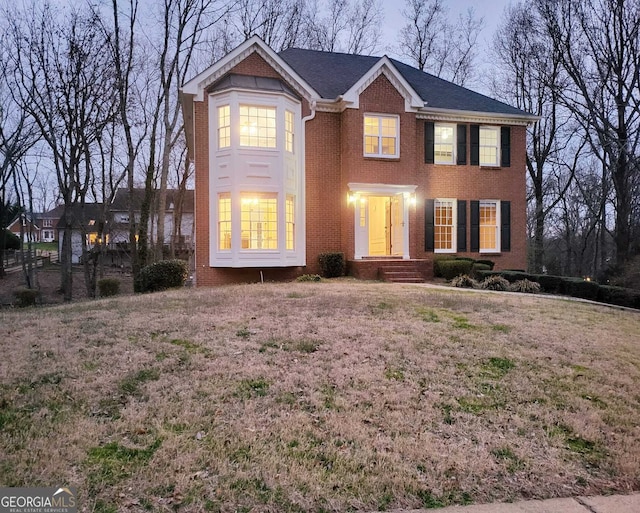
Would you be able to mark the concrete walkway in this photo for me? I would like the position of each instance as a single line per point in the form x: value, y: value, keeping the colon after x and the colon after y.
x: 610, y: 504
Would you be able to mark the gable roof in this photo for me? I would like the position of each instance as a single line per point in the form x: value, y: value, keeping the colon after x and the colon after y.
x: 90, y: 216
x: 123, y: 198
x: 334, y: 74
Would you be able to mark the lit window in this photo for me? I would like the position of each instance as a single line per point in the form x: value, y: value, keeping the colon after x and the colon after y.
x: 290, y: 221
x: 444, y: 226
x: 224, y: 126
x: 224, y: 221
x: 259, y: 221
x: 258, y: 126
x: 488, y: 226
x: 288, y: 128
x: 489, y: 142
x: 443, y: 144
x: 381, y: 136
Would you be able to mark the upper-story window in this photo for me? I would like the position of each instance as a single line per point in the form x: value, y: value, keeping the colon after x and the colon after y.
x: 288, y: 130
x: 224, y: 126
x: 381, y: 136
x: 444, y: 144
x: 489, y: 146
x: 257, y: 126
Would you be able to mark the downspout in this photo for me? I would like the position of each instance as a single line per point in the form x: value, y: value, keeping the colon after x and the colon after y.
x: 311, y: 116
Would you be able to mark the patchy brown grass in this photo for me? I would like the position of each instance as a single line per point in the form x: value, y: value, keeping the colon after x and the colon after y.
x: 331, y: 396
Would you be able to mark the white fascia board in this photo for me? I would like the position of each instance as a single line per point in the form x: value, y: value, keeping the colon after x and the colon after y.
x: 381, y: 188
x: 384, y: 67
x: 468, y: 116
x: 199, y: 83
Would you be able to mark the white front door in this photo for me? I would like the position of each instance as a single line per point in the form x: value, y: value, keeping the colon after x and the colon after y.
x: 381, y: 226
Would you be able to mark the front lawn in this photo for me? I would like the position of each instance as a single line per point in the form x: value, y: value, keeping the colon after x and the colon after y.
x: 330, y: 396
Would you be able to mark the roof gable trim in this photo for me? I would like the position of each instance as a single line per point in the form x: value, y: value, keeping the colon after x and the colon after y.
x: 384, y: 66
x: 197, y: 85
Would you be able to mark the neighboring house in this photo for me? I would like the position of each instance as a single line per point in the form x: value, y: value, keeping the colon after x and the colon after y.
x: 92, y: 219
x: 303, y: 152
x: 41, y: 227
x: 27, y: 227
x: 119, y: 209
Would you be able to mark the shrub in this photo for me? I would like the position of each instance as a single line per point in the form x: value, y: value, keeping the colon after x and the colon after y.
x: 449, y: 269
x: 109, y: 287
x: 162, y: 275
x: 331, y: 264
x: 550, y: 283
x: 577, y: 287
x: 9, y: 239
x: 619, y: 296
x: 464, y: 281
x: 309, y: 277
x: 495, y: 282
x: 490, y: 263
x: 436, y: 264
x: 478, y: 268
x: 26, y: 297
x: 525, y: 285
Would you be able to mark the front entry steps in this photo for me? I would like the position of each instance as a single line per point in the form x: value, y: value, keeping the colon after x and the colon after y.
x: 400, y: 271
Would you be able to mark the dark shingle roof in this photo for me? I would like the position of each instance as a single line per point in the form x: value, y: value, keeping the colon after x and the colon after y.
x: 91, y: 215
x: 333, y: 74
x: 122, y: 199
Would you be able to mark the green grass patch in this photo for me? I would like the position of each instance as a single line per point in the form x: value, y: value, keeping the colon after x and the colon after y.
x: 191, y: 347
x: 501, y: 328
x: 394, y: 373
x: 113, y: 462
x: 249, y: 388
x: 462, y: 323
x: 496, y: 368
x: 131, y: 384
x: 507, y: 456
x: 428, y: 314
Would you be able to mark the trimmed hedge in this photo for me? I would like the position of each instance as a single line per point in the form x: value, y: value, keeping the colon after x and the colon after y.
x: 332, y: 264
x: 575, y: 287
x: 449, y: 269
x: 162, y: 275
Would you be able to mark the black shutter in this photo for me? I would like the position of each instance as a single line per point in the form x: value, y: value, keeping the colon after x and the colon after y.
x: 461, y: 158
x: 429, y: 140
x: 505, y: 146
x: 428, y: 225
x: 505, y: 226
x: 461, y: 234
x: 474, y: 149
x: 475, y: 226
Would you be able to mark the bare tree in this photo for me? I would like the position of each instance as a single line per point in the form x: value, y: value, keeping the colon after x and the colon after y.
x: 433, y: 44
x: 66, y: 86
x: 598, y: 42
x: 529, y: 76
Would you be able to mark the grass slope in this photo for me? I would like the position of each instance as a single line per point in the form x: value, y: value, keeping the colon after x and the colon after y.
x: 319, y: 397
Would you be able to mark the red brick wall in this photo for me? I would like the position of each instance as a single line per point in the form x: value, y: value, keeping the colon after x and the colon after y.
x: 334, y: 157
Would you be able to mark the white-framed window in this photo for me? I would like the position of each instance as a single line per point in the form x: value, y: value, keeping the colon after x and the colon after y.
x: 381, y: 136
x: 224, y: 126
x: 224, y: 221
x: 444, y: 225
x: 257, y: 126
x: 47, y: 222
x: 288, y: 130
x: 290, y: 221
x: 444, y: 143
x: 259, y: 220
x: 489, y: 226
x: 489, y: 146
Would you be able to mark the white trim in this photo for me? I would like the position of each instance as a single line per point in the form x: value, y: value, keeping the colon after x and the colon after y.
x: 197, y: 85
x: 498, y: 247
x: 454, y: 226
x: 380, y: 155
x: 467, y: 116
x: 454, y: 143
x: 384, y: 66
x: 381, y: 188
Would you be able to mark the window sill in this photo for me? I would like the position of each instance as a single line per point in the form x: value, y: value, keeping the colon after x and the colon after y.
x: 383, y: 158
x: 490, y: 253
x: 491, y: 168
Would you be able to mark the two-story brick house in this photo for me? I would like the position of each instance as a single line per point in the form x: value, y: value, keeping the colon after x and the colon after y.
x: 303, y: 152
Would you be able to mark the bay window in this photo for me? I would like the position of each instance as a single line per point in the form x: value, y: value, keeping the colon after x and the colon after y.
x: 257, y: 126
x: 259, y: 221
